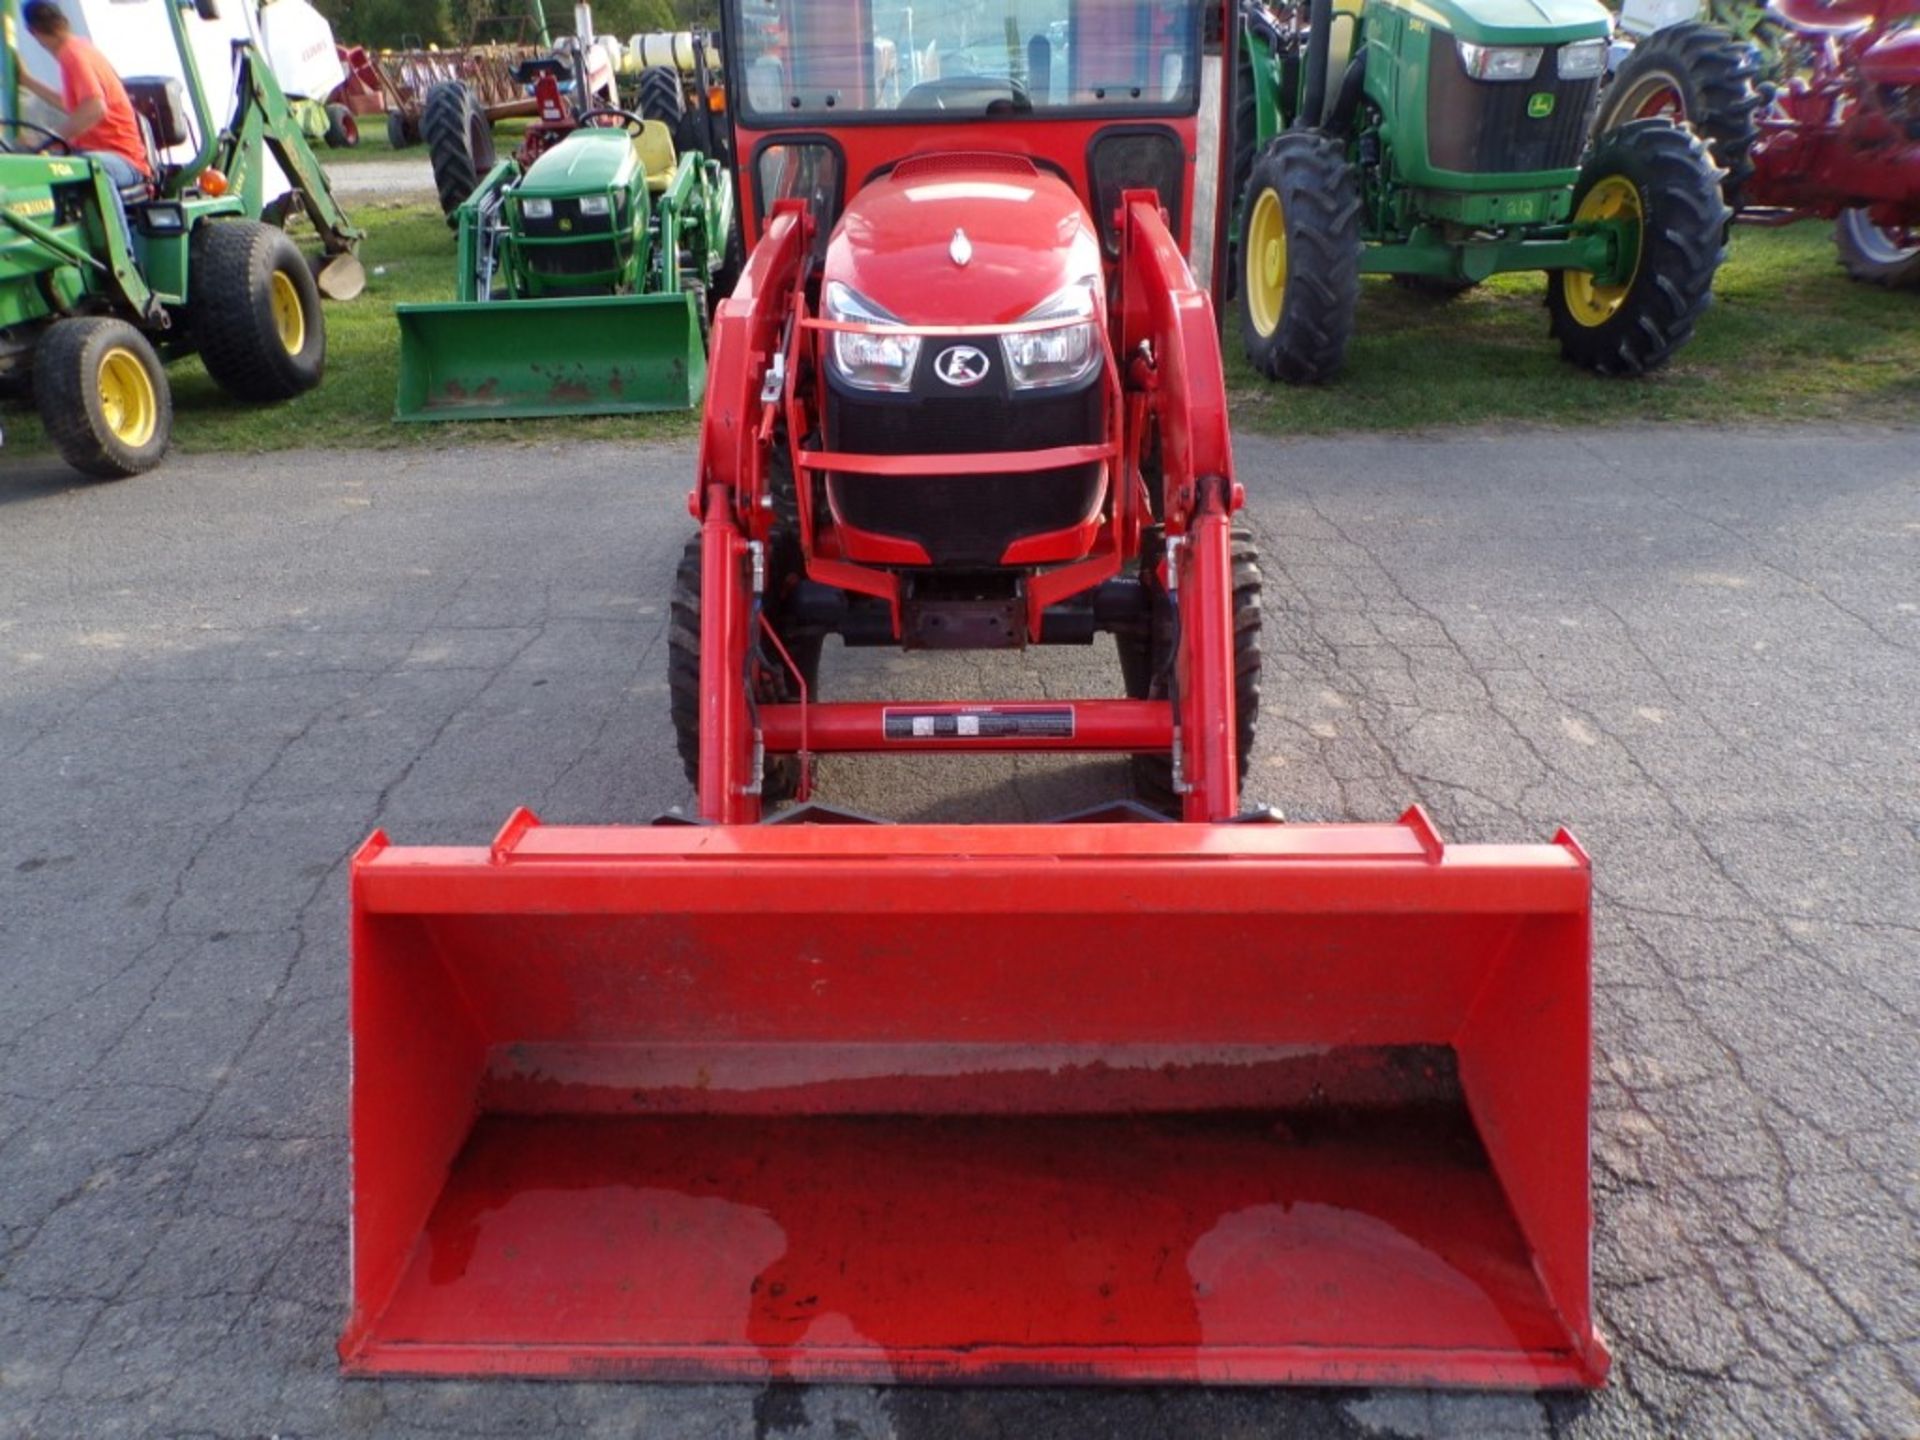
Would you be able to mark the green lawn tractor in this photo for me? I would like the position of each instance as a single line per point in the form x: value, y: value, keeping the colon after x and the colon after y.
x: 91, y: 307
x: 582, y: 285
x: 1445, y: 141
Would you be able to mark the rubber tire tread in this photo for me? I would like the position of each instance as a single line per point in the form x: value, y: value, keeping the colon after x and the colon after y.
x: 1715, y: 76
x: 343, y: 130
x: 1153, y: 773
x: 1681, y: 248
x: 662, y: 97
x: 1246, y: 141
x: 446, y: 127
x: 1897, y: 275
x: 1320, y: 200
x: 231, y: 311
x: 66, y: 361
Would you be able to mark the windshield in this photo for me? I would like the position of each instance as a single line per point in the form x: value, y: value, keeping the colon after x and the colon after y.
x: 831, y: 61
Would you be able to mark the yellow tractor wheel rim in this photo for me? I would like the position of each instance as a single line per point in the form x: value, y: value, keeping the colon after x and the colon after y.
x: 127, y: 399
x: 289, y: 316
x: 1267, y: 262
x: 1590, y: 303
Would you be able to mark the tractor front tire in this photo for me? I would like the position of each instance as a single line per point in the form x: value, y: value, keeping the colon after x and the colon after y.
x: 343, y: 128
x: 1659, y: 179
x: 1876, y: 255
x: 256, y: 311
x: 1299, y: 258
x: 459, y: 140
x: 1697, y: 75
x: 102, y: 396
x: 1146, y: 665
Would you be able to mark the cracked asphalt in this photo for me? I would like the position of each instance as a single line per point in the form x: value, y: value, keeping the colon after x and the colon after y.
x: 1699, y: 648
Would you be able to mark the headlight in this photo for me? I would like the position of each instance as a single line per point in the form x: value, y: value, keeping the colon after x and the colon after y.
x: 1061, y: 355
x: 537, y: 209
x: 1499, y: 62
x: 595, y: 205
x: 1583, y: 59
x: 870, y: 362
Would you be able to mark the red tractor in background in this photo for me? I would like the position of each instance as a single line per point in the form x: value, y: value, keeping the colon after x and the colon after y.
x: 1816, y: 114
x: 776, y: 1092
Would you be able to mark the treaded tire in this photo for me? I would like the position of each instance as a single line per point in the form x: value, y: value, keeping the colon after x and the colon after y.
x: 459, y: 140
x: 1683, y: 241
x: 662, y: 97
x: 781, y: 780
x: 1870, y: 254
x: 1713, y: 75
x: 1246, y: 141
x: 1308, y: 174
x: 397, y: 136
x: 343, y: 128
x: 68, y: 362
x: 237, y: 267
x: 1146, y: 671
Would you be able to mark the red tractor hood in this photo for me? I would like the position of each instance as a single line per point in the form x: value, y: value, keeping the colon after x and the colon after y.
x: 1894, y: 59
x: 963, y: 240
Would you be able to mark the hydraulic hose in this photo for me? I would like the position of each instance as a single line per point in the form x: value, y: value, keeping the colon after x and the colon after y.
x: 1347, y: 101
x: 1319, y: 42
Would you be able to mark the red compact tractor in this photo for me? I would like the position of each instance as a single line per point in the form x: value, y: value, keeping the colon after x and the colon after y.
x: 778, y: 1093
x: 1831, y: 131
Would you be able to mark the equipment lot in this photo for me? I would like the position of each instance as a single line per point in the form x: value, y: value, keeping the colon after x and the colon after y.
x: 1696, y: 648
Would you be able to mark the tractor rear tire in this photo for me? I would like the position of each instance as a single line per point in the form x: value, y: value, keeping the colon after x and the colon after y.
x: 459, y: 140
x: 1663, y: 174
x: 1148, y: 669
x: 102, y: 396
x: 1300, y: 258
x: 662, y: 97
x: 1874, y: 255
x: 256, y: 313
x: 1698, y: 75
x: 343, y: 128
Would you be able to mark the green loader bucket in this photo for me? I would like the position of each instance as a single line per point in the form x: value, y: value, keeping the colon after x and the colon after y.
x: 585, y: 355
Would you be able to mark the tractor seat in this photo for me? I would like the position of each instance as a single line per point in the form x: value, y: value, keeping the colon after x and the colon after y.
x: 1820, y: 17
x: 654, y: 148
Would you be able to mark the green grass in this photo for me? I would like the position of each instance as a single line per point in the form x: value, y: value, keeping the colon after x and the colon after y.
x: 1789, y: 338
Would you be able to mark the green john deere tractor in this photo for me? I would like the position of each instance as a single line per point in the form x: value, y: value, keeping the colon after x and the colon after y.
x: 1445, y: 141
x: 582, y: 284
x: 90, y: 306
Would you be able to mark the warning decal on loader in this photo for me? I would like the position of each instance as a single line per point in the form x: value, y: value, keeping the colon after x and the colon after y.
x: 980, y: 722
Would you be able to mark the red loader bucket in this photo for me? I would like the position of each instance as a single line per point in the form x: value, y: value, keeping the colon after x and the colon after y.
x: 1133, y: 1102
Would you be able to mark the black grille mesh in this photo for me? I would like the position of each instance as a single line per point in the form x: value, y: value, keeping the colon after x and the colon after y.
x: 1481, y: 127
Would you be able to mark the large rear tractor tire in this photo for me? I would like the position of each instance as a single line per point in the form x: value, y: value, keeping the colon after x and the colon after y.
x: 1299, y: 258
x: 662, y: 97
x: 1658, y: 181
x: 774, y: 682
x: 256, y: 312
x: 1695, y: 75
x: 1876, y: 254
x: 1146, y: 666
x: 459, y: 140
x: 102, y: 396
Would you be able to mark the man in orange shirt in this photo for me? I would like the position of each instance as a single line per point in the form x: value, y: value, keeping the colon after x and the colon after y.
x: 99, y: 118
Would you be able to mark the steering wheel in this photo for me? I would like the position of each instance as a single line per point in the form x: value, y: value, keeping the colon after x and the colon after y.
x: 53, y: 138
x: 633, y: 123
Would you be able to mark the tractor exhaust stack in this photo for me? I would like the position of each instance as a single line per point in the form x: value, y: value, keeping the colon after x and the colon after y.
x: 1127, y: 1103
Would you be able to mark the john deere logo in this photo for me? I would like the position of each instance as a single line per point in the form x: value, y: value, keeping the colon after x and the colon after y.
x: 1540, y: 106
x: 568, y: 224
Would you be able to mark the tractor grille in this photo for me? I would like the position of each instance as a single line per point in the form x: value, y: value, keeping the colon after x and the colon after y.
x: 964, y: 520
x: 586, y: 257
x: 1483, y: 127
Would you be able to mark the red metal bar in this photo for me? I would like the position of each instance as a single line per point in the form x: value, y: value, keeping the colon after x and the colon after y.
x: 726, y: 738
x: 979, y: 462
x: 850, y: 726
x: 1204, y: 664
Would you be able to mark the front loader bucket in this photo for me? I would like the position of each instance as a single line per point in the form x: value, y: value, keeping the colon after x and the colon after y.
x: 1125, y: 1102
x: 513, y: 359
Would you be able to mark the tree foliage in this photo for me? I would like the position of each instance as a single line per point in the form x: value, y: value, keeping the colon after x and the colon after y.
x: 391, y: 23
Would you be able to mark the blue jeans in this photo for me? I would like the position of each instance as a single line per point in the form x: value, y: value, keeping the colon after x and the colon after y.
x: 120, y: 171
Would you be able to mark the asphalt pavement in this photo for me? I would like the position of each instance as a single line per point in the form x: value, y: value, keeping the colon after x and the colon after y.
x: 1699, y: 648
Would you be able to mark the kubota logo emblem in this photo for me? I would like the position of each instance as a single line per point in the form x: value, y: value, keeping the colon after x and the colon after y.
x: 961, y: 365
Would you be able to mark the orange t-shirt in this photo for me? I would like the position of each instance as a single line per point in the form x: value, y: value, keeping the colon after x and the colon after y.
x: 86, y: 75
